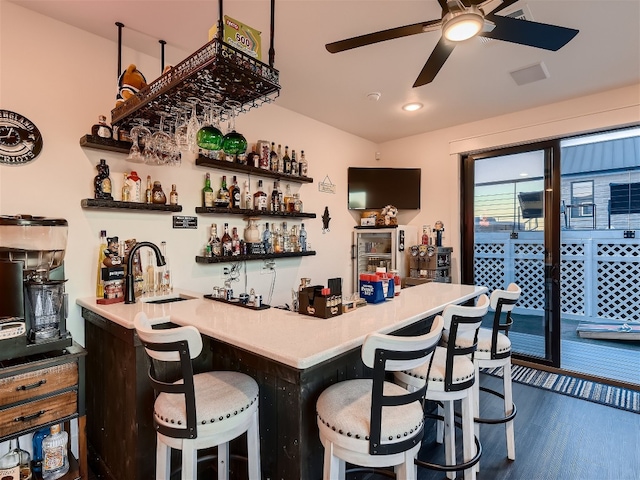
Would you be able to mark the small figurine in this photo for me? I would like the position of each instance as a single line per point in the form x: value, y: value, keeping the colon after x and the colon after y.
x: 438, y: 227
x: 111, y: 255
x: 325, y: 220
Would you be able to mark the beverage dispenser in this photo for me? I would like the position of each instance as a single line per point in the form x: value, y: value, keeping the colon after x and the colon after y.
x: 33, y: 303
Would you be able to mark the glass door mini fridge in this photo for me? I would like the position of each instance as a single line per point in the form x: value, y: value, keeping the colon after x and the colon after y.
x: 382, y: 247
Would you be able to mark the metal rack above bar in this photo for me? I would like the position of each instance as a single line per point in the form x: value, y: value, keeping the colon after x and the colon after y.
x: 215, y: 71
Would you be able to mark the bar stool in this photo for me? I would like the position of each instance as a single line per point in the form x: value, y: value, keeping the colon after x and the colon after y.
x: 494, y: 350
x: 452, y: 377
x: 197, y: 411
x: 350, y: 413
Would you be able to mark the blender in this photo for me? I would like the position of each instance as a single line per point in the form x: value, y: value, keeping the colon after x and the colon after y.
x: 33, y: 303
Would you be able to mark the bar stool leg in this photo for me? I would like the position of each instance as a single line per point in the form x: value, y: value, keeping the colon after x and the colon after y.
x: 440, y: 426
x: 449, y: 437
x: 476, y: 405
x: 468, y: 439
x: 508, y: 408
x: 253, y: 448
x: 223, y: 461
x: 334, y: 468
x: 189, y: 461
x: 163, y: 461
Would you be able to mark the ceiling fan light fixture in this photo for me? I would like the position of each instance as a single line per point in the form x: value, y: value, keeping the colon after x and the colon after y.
x: 412, y: 107
x: 462, y: 25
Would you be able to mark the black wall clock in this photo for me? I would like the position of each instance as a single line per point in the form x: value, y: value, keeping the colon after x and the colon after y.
x: 20, y: 139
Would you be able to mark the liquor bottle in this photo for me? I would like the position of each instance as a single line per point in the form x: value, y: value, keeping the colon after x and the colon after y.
x: 266, y: 239
x: 234, y: 194
x: 276, y: 241
x: 235, y: 242
x: 55, y: 463
x: 38, y: 437
x: 426, y: 234
x: 275, y: 198
x: 227, y: 247
x: 303, y: 166
x: 101, y: 129
x: 286, y: 161
x: 248, y: 198
x: 214, y: 241
x: 157, y: 194
x: 274, y: 160
x: 302, y: 240
x: 286, y: 243
x: 10, y: 464
x: 288, y: 199
x: 280, y: 166
x: 173, y: 196
x: 135, y: 186
x: 293, y: 239
x: 166, y: 285
x: 148, y: 193
x: 297, y: 203
x: 126, y: 191
x: 101, y: 257
x: 260, y: 198
x: 294, y: 163
x: 223, y: 194
x: 207, y: 192
x: 253, y: 159
x: 102, y: 182
x: 150, y: 276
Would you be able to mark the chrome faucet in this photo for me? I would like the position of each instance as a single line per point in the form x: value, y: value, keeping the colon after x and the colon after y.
x: 129, y: 294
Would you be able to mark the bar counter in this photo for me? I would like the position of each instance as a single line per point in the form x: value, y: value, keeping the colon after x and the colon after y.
x: 293, y: 357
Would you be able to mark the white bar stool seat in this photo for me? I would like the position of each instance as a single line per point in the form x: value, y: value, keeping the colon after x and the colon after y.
x: 198, y: 411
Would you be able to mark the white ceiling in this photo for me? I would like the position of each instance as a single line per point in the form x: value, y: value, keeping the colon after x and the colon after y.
x: 473, y: 84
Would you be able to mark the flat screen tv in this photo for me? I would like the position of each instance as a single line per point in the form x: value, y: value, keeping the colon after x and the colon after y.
x: 375, y: 188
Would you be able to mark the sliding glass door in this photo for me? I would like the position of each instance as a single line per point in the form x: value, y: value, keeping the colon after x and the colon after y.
x: 511, y: 234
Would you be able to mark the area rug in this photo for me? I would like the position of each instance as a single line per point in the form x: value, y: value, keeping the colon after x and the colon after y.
x: 617, y: 397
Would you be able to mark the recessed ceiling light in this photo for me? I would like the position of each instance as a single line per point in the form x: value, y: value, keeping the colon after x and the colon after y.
x: 412, y: 107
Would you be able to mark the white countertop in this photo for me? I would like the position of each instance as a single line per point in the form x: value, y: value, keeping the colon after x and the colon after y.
x: 299, y: 341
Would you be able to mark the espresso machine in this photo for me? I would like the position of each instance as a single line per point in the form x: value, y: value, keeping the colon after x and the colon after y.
x: 33, y: 303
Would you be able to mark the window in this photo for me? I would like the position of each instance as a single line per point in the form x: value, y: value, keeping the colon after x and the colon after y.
x: 582, y: 199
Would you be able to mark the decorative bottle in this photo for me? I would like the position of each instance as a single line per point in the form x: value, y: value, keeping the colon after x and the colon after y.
x: 102, y: 182
x: 135, y: 186
x: 302, y: 240
x: 148, y: 194
x: 266, y: 239
x: 10, y: 464
x: 294, y: 163
x: 150, y: 276
x: 234, y: 194
x: 101, y: 129
x: 173, y: 196
x: 235, y: 242
x: 274, y: 160
x: 247, y: 202
x: 166, y: 285
x: 286, y: 161
x: 55, y: 463
x: 260, y: 198
x: 227, y: 248
x: 303, y: 166
x: 214, y: 241
x: 280, y: 166
x: 157, y: 195
x: 207, y: 192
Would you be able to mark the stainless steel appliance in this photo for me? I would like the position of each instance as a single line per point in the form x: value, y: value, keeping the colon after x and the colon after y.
x: 33, y: 303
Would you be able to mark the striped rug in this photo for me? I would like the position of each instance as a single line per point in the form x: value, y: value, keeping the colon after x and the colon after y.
x: 617, y: 397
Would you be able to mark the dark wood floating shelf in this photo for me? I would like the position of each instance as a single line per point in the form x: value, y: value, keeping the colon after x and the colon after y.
x: 253, y: 213
x: 116, y: 205
x: 108, y: 144
x: 242, y: 258
x: 238, y: 167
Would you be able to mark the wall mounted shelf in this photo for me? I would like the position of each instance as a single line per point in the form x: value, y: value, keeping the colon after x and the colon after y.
x: 99, y: 143
x: 97, y: 204
x: 238, y: 167
x: 253, y: 213
x: 242, y: 258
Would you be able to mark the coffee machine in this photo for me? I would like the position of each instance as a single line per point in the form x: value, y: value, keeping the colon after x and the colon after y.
x: 33, y: 303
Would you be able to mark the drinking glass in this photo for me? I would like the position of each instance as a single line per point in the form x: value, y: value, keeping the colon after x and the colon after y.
x: 193, y: 125
x: 138, y: 132
x: 209, y: 136
x: 233, y: 142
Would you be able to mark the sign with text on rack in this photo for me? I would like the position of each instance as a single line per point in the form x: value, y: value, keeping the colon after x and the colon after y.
x: 326, y: 185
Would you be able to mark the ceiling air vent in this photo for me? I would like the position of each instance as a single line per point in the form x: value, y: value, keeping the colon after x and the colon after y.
x: 523, y: 13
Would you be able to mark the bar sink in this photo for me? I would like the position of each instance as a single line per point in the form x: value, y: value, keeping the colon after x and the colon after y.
x: 160, y: 299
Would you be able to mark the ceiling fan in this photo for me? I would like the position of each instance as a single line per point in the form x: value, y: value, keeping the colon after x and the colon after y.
x: 463, y: 19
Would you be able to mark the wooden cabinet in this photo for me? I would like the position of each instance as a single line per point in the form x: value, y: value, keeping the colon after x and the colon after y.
x: 42, y: 390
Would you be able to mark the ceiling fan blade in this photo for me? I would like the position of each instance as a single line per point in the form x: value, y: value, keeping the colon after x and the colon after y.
x: 533, y: 34
x: 435, y: 62
x: 376, y: 37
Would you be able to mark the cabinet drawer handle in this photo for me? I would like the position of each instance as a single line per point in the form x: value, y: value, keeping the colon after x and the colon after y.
x: 26, y: 418
x: 29, y: 387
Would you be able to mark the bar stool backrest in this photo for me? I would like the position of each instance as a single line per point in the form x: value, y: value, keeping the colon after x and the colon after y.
x: 386, y: 353
x: 503, y: 301
x: 462, y: 320
x: 179, y: 344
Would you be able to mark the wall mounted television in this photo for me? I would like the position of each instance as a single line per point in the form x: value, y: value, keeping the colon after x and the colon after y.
x: 375, y: 188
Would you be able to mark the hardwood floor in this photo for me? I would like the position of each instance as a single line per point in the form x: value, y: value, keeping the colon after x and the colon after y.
x: 557, y: 437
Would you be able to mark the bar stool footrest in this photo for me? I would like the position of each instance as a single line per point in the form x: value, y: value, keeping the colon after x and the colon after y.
x: 495, y: 421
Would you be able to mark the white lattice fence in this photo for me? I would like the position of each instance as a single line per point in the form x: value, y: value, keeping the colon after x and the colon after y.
x: 618, y: 281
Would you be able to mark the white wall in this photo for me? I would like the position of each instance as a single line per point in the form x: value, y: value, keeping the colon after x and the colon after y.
x: 62, y: 78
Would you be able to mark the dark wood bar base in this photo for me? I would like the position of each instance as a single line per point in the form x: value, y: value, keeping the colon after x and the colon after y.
x: 120, y: 430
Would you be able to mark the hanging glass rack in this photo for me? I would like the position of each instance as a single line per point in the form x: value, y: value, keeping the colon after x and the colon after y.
x: 217, y: 70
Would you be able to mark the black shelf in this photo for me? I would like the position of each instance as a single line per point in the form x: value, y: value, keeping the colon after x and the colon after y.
x: 238, y: 167
x: 108, y: 144
x: 241, y: 258
x: 116, y: 205
x: 237, y: 303
x: 253, y: 213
